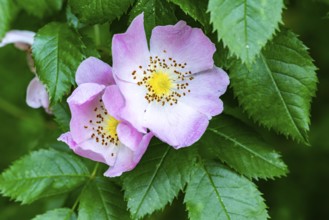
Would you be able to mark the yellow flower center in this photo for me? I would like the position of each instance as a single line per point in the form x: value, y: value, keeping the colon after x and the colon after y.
x: 111, y: 126
x: 160, y: 83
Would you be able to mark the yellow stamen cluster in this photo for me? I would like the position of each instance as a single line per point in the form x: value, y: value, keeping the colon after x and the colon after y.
x: 104, y: 128
x: 166, y: 80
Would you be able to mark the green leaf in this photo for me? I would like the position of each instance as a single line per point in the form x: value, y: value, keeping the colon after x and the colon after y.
x: 158, y: 178
x: 156, y: 12
x: 42, y: 173
x: 95, y: 12
x: 245, y: 26
x: 41, y: 8
x: 216, y: 192
x: 62, y: 115
x: 102, y: 199
x: 8, y: 11
x: 197, y: 9
x: 59, y: 214
x: 277, y: 89
x: 242, y: 148
x: 57, y: 52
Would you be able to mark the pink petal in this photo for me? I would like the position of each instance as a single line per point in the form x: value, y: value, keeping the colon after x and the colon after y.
x: 130, y: 50
x: 178, y: 125
x: 135, y: 104
x: 36, y: 95
x: 129, y: 136
x: 206, y: 87
x: 184, y: 44
x: 93, y: 70
x: 113, y: 101
x: 22, y: 39
x: 128, y: 159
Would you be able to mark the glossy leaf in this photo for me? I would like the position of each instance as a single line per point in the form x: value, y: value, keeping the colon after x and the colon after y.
x: 57, y: 52
x: 102, y: 199
x: 216, y: 192
x: 42, y: 173
x: 157, y: 179
x: 245, y: 26
x: 277, y: 89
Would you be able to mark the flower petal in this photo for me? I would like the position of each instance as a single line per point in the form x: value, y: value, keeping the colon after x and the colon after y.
x: 93, y: 70
x: 206, y: 87
x: 113, y: 101
x: 21, y: 38
x: 178, y: 125
x: 128, y: 159
x: 135, y: 104
x: 82, y: 102
x: 129, y: 136
x: 184, y: 44
x: 130, y: 50
x: 36, y: 95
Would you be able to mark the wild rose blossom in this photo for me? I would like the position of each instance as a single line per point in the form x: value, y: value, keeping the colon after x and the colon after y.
x: 172, y: 89
x: 97, y: 130
x: 36, y: 95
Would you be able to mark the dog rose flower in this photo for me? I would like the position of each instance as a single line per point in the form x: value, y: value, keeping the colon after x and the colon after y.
x: 173, y: 88
x: 97, y: 130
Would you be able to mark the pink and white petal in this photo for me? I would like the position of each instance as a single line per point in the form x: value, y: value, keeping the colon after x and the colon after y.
x: 36, y: 94
x: 67, y: 138
x: 84, y: 99
x: 130, y: 50
x: 184, y: 44
x: 206, y: 87
x: 135, y: 104
x: 19, y: 38
x: 113, y: 101
x: 124, y: 162
x: 178, y: 125
x: 129, y: 136
x: 93, y: 70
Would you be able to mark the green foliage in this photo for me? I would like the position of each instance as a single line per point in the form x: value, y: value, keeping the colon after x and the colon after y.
x: 57, y: 52
x: 60, y: 214
x: 102, y: 199
x: 62, y: 115
x: 40, y: 8
x: 277, y: 89
x: 8, y: 12
x: 245, y: 26
x: 158, y: 178
x: 95, y: 12
x: 42, y: 173
x: 156, y: 12
x: 197, y: 9
x: 242, y: 148
x: 216, y: 192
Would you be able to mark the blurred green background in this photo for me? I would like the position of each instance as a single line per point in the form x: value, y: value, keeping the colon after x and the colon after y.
x: 302, y: 195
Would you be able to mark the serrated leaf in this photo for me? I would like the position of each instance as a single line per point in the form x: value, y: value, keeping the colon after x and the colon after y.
x: 242, y: 149
x: 197, y: 9
x: 57, y: 52
x: 42, y: 173
x: 277, y: 89
x: 156, y: 12
x: 158, y: 178
x: 95, y: 12
x: 62, y: 115
x: 58, y: 214
x: 216, y: 192
x: 8, y: 11
x: 245, y: 26
x: 41, y: 8
x: 102, y: 199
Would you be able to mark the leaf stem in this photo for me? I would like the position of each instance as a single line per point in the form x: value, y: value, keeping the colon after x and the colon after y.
x: 97, y: 35
x: 11, y: 109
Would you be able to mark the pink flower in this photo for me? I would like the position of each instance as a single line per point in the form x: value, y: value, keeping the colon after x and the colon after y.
x: 172, y: 89
x: 36, y: 95
x: 97, y: 130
